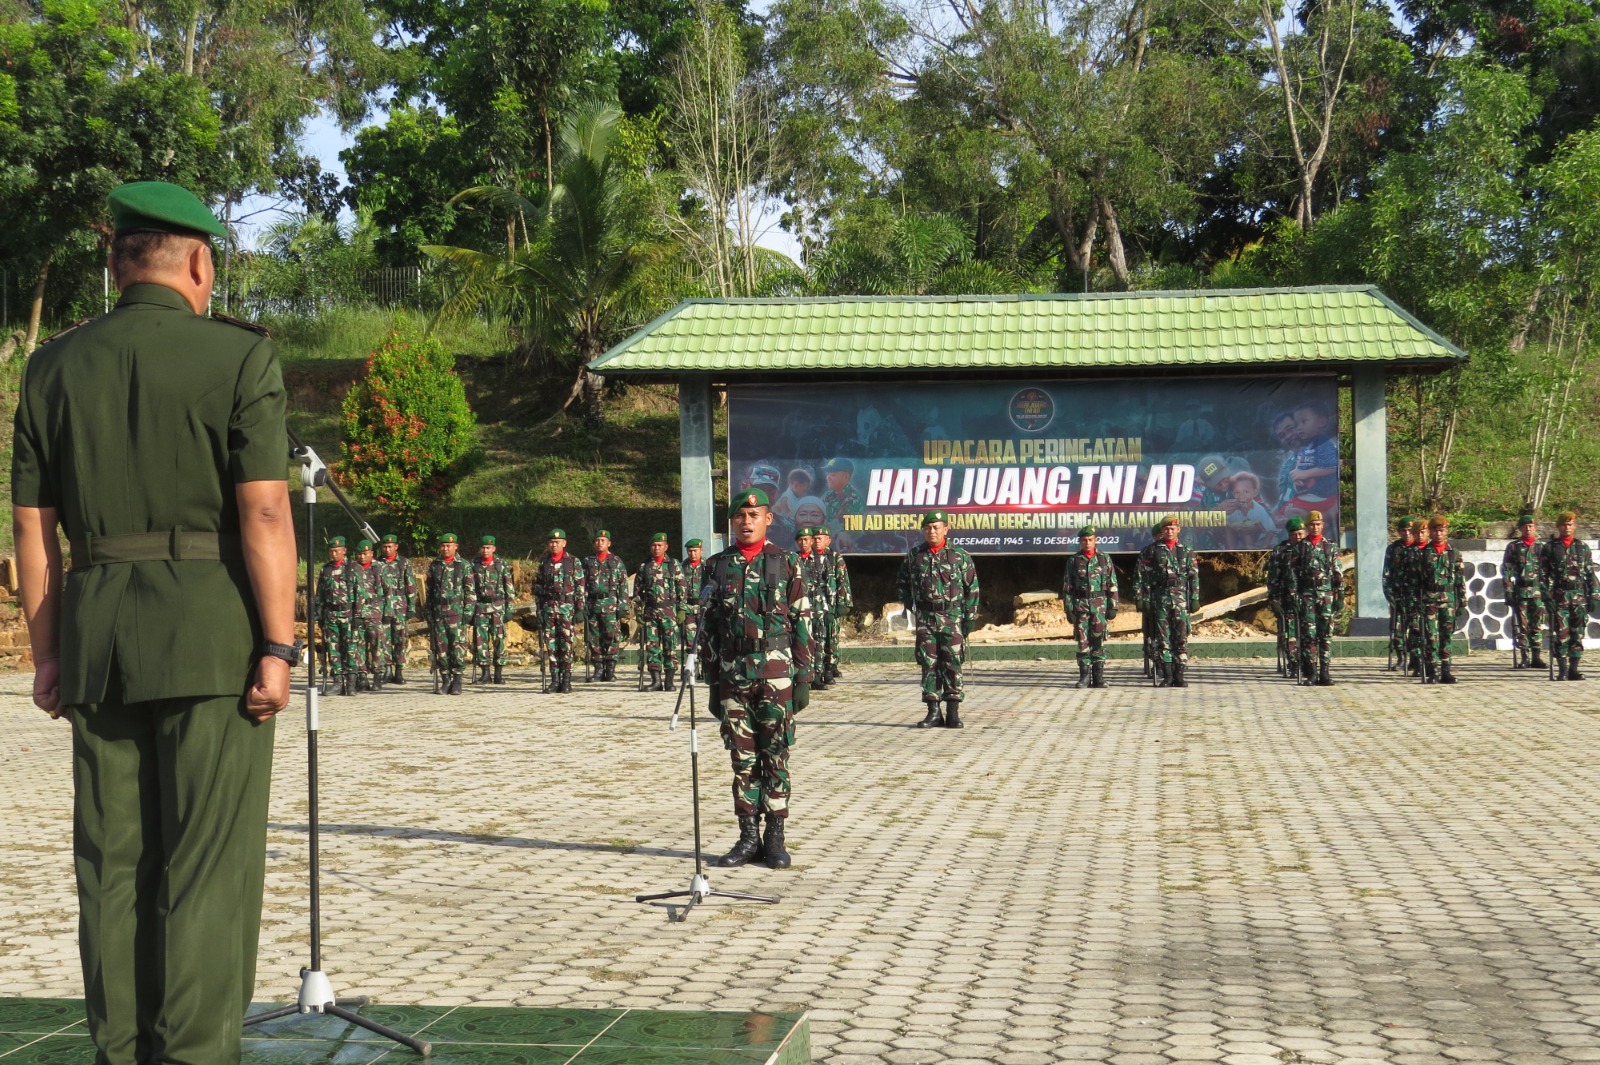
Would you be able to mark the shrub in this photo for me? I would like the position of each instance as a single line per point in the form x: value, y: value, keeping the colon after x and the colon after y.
x: 407, y: 431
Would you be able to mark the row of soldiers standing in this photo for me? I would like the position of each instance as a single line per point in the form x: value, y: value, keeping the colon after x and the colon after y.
x: 1550, y: 583
x: 361, y: 608
x: 1305, y: 589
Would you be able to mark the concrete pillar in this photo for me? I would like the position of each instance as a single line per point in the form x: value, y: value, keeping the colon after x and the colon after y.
x: 1372, y: 500
x: 694, y: 457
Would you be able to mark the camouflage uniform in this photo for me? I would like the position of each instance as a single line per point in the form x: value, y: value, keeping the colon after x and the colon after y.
x: 1172, y: 588
x: 1569, y: 580
x: 816, y: 579
x: 1142, y: 597
x: 753, y: 650
x: 658, y: 599
x: 605, y: 599
x: 1278, y: 596
x: 1393, y: 563
x: 446, y: 592
x: 336, y: 617
x: 1525, y: 592
x: 399, y: 596
x: 839, y: 604
x: 1089, y: 590
x: 366, y: 583
x: 942, y: 588
x: 1410, y: 586
x: 1316, y: 588
x: 837, y: 504
x: 1441, y: 588
x: 490, y: 590
x: 694, y: 574
x: 558, y: 595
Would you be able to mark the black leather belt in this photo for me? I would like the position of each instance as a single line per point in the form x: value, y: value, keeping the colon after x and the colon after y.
x: 175, y: 546
x: 744, y: 645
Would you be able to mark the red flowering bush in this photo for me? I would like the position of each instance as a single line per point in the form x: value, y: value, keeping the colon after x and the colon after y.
x: 407, y: 430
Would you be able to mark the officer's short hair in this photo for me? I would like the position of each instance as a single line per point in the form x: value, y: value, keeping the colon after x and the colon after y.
x: 139, y: 251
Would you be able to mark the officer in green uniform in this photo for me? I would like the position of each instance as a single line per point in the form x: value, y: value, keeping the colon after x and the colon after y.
x: 805, y: 540
x: 336, y: 618
x: 605, y: 601
x: 1569, y: 580
x: 1408, y: 584
x: 446, y: 593
x: 755, y: 654
x: 1172, y: 587
x: 372, y: 652
x: 938, y: 582
x: 154, y: 438
x: 658, y: 600
x: 558, y: 596
x: 1392, y: 567
x: 490, y: 590
x: 693, y: 568
x: 1089, y: 590
x: 1279, y: 590
x: 840, y: 600
x: 399, y: 598
x: 1441, y: 586
x: 1315, y: 589
x: 1525, y: 593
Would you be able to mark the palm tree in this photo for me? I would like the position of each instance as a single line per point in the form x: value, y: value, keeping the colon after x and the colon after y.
x: 593, y: 263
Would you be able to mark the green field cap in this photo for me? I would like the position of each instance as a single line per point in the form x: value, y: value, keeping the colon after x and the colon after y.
x: 449, y: 538
x: 335, y: 541
x: 692, y: 543
x: 1087, y: 530
x: 557, y: 534
x: 161, y: 207
x: 750, y: 497
x: 932, y: 516
x: 659, y: 538
x: 391, y: 538
x: 603, y: 534
x: 488, y: 541
x: 363, y: 544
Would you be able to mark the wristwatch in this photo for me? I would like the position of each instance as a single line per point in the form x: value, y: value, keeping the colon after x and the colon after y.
x: 289, y: 652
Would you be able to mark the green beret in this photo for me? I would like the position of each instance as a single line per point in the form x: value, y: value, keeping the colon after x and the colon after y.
x: 1170, y: 519
x: 807, y: 531
x: 932, y: 516
x: 750, y: 497
x: 487, y: 541
x: 449, y: 538
x: 1293, y: 525
x: 603, y: 534
x: 161, y: 207
x: 692, y: 543
x: 335, y: 541
x: 391, y: 538
x: 1404, y: 523
x: 557, y: 534
x: 363, y: 544
x: 1526, y: 519
x: 659, y: 538
x: 1087, y: 530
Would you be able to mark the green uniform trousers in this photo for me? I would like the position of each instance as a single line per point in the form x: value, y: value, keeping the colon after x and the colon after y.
x: 169, y: 844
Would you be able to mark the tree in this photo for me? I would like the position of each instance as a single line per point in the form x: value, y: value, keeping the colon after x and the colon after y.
x: 594, y: 266
x: 877, y: 254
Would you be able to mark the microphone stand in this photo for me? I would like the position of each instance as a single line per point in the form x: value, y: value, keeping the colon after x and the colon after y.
x: 700, y: 887
x: 316, y: 990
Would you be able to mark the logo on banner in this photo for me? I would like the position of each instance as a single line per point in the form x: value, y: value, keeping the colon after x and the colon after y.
x: 1032, y: 410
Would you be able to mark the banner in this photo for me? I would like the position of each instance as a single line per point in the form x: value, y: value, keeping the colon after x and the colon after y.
x: 1020, y: 467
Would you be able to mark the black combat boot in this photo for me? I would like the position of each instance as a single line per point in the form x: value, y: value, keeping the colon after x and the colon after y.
x: 1293, y: 672
x: 819, y: 685
x: 772, y: 849
x: 1307, y: 673
x: 499, y: 673
x: 655, y: 682
x: 934, y: 719
x: 1097, y: 675
x: 1163, y: 673
x: 748, y: 847
x: 1561, y: 668
x: 1538, y: 660
x: 1445, y: 676
x: 399, y: 675
x: 1572, y: 671
x: 1416, y: 667
x: 455, y: 684
x: 952, y: 713
x: 1178, y: 679
x: 1323, y: 679
x: 1083, y: 675
x: 666, y: 683
x: 344, y: 684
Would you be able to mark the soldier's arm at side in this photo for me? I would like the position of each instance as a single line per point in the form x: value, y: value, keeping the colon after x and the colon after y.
x: 267, y: 534
x: 799, y: 619
x: 39, y: 577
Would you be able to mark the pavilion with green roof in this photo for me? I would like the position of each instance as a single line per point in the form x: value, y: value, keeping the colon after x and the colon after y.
x: 1355, y: 332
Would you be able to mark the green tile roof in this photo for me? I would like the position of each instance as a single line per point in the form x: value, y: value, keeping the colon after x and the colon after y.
x: 1287, y: 328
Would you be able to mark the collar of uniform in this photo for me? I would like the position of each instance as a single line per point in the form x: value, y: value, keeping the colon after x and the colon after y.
x: 154, y: 295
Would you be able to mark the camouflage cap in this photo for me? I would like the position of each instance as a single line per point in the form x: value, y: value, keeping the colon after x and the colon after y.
x: 750, y: 497
x: 934, y: 515
x: 161, y: 207
x: 363, y: 544
x: 1087, y: 530
x: 449, y: 538
x: 693, y: 543
x: 1293, y: 525
x: 839, y: 464
x: 487, y: 541
x: 659, y: 538
x: 390, y: 538
x: 603, y: 534
x: 557, y: 534
x: 335, y: 541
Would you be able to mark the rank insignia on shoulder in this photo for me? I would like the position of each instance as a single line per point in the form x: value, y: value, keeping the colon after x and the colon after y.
x: 254, y: 327
x: 58, y: 334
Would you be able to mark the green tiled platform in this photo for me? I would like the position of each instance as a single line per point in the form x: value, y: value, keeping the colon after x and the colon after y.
x: 51, y: 1032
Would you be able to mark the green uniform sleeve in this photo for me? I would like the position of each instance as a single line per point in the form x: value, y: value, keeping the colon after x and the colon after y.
x: 258, y: 443
x: 29, y: 486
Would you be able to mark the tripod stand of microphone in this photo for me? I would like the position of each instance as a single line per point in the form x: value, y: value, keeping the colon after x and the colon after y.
x: 316, y: 990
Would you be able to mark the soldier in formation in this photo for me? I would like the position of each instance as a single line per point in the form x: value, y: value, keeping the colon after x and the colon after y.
x: 605, y: 601
x: 336, y: 618
x: 1411, y: 566
x: 491, y: 591
x: 1089, y: 590
x: 1170, y: 590
x: 558, y: 595
x: 658, y: 597
x: 445, y: 591
x: 839, y: 603
x: 1316, y: 588
x: 693, y: 568
x: 1279, y: 587
x: 1394, y: 560
x: 1440, y: 587
x: 1567, y: 569
x: 1525, y: 593
x: 939, y: 584
x: 399, y: 597
x: 805, y: 542
x: 755, y: 653
x: 366, y: 582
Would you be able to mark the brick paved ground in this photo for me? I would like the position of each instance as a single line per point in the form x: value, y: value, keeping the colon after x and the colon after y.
x: 1243, y: 871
